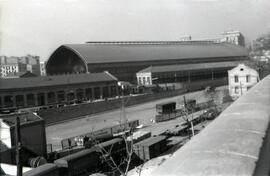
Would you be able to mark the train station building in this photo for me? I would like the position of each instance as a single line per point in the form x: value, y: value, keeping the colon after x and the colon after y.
x: 185, y: 73
x: 125, y: 59
x: 58, y: 89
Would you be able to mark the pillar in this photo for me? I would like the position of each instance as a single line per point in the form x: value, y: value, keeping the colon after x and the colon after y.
x: 14, y: 100
x: 46, y: 98
x: 35, y: 99
x: 56, y: 97
x: 93, y: 94
x: 109, y: 90
x: 101, y: 92
x: 25, y: 100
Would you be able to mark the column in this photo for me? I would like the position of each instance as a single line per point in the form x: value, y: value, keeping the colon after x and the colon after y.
x: 2, y: 101
x: 56, y: 97
x: 84, y: 96
x: 189, y: 76
x: 25, y: 100
x: 109, y: 90
x: 14, y: 100
x: 101, y: 92
x: 46, y: 98
x: 93, y: 94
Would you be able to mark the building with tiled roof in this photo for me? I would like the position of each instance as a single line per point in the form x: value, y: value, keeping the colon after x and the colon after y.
x: 50, y: 90
x: 125, y: 59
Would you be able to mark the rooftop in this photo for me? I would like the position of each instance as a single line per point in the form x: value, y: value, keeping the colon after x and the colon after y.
x: 25, y: 117
x: 186, y: 67
x: 43, y: 81
x: 151, y: 141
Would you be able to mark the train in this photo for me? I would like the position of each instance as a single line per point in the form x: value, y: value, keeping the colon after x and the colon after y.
x: 99, y: 135
x: 82, y: 163
x: 171, y: 113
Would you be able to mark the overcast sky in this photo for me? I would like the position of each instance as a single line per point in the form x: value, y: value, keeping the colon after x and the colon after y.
x: 38, y: 27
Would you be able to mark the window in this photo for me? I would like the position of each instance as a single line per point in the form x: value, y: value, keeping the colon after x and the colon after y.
x: 248, y: 78
x: 236, y: 78
x: 236, y: 90
x: 140, y: 81
x: 143, y: 80
x: 148, y: 80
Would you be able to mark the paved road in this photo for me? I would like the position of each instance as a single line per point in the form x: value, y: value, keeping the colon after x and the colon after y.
x: 143, y: 112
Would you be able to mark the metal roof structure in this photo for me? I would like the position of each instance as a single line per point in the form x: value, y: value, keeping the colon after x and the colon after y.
x: 43, y: 81
x: 187, y: 67
x: 110, y: 52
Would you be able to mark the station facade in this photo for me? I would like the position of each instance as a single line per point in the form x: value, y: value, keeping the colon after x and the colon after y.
x: 59, y: 89
x: 183, y: 73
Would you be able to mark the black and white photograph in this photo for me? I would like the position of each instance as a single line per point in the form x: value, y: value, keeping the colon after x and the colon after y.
x: 135, y: 88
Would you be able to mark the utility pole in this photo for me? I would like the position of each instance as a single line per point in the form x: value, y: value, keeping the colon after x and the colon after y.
x: 18, y: 146
x: 241, y: 88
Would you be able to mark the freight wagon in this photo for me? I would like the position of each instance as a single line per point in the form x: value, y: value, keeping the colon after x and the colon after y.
x: 85, y: 161
x: 99, y: 135
x: 151, y: 147
x: 191, y: 108
x: 168, y: 107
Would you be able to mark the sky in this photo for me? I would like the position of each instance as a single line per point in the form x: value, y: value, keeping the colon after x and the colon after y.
x: 38, y: 27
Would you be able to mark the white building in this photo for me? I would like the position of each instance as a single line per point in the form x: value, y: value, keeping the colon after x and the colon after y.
x: 5, y: 69
x: 241, y: 79
x: 234, y: 37
x: 42, y: 68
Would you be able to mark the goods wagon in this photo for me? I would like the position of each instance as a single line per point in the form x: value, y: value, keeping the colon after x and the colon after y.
x: 168, y: 107
x: 151, y: 147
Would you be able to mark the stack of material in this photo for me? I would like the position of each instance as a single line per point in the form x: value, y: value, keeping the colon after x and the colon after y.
x: 139, y: 136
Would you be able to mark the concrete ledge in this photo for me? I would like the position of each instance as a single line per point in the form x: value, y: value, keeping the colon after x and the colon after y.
x: 236, y: 143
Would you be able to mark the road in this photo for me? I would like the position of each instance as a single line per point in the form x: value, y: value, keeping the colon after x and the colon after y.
x: 142, y: 112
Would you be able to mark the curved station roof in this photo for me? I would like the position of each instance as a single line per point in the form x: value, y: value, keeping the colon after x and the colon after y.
x: 120, y: 52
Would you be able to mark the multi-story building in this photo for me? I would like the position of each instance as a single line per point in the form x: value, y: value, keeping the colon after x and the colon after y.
x: 241, y: 79
x: 234, y: 37
x: 8, y: 68
x: 42, y: 69
x: 19, y: 64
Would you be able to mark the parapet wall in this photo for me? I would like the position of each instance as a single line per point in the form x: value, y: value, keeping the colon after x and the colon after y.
x: 235, y: 143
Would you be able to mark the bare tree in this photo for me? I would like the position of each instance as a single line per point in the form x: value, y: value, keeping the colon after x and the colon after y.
x: 123, y: 166
x: 187, y: 112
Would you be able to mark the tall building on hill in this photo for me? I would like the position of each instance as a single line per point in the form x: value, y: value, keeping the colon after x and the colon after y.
x: 234, y: 37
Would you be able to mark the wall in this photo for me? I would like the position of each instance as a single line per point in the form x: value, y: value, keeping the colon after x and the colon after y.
x: 60, y: 114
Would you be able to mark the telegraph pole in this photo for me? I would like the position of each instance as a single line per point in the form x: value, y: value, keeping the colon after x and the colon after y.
x: 18, y: 146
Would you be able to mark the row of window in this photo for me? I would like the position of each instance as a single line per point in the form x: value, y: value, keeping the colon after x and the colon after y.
x: 144, y: 80
x: 236, y: 78
x: 41, y: 99
x: 237, y: 89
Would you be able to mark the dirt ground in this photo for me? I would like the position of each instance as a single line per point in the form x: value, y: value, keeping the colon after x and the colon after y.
x: 145, y: 113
